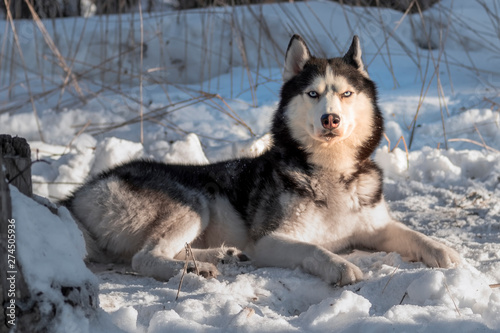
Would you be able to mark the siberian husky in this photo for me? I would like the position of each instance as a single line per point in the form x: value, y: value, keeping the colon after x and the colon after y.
x: 313, y: 193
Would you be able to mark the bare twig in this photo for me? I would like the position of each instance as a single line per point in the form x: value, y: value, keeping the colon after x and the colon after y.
x: 190, y: 251
x: 54, y: 48
x: 140, y: 72
x: 18, y: 45
x: 183, y: 273
x: 68, y: 146
x: 401, y: 138
x: 452, y: 299
x: 390, y: 278
x: 475, y: 143
x: 402, y: 299
x: 388, y: 142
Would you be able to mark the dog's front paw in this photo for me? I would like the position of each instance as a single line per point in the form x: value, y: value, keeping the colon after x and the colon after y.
x: 230, y: 255
x: 436, y: 254
x: 346, y: 273
x: 338, y: 272
x: 205, y: 269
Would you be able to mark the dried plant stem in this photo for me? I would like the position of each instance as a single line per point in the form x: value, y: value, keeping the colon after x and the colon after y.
x: 18, y: 45
x: 183, y: 273
x: 54, y: 49
x: 402, y: 298
x: 190, y: 251
x: 243, y: 54
x: 475, y: 143
x: 401, y: 138
x: 390, y: 278
x: 71, y: 63
x: 189, y: 254
x: 141, y: 108
x: 68, y: 146
x: 452, y: 299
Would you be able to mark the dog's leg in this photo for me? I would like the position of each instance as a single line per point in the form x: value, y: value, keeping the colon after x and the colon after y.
x: 162, y: 256
x: 157, y: 260
x: 396, y: 237
x: 223, y: 254
x: 281, y: 251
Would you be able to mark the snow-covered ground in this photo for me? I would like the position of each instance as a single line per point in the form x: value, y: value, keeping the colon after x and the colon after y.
x: 452, y: 194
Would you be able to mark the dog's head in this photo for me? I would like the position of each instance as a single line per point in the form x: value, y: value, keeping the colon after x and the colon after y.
x: 330, y: 102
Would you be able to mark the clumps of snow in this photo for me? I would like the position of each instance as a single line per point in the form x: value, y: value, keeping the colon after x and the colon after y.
x: 246, y: 148
x: 426, y: 289
x: 272, y: 299
x: 74, y: 168
x: 170, y: 321
x: 437, y: 166
x: 125, y: 318
x: 335, y: 312
x: 50, y: 249
x: 185, y: 151
x: 62, y: 168
x: 113, y: 151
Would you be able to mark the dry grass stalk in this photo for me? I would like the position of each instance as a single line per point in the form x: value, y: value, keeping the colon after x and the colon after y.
x: 243, y: 55
x: 452, y: 299
x: 77, y: 48
x: 480, y: 136
x: 436, y: 74
x: 250, y: 312
x: 402, y: 298
x: 140, y: 73
x: 68, y: 146
x: 401, y: 138
x: 190, y: 251
x: 390, y: 278
x: 54, y: 49
x: 475, y: 143
x: 183, y: 273
x: 189, y: 254
x: 18, y: 45
x: 231, y: 114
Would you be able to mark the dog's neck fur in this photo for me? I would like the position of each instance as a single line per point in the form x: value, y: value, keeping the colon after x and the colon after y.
x: 339, y: 159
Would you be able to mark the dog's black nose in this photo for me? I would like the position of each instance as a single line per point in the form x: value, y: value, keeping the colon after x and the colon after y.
x: 330, y: 120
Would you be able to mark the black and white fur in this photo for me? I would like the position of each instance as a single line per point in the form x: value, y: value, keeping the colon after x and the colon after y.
x: 313, y: 193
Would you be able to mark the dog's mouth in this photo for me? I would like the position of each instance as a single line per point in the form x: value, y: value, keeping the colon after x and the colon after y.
x: 329, y: 136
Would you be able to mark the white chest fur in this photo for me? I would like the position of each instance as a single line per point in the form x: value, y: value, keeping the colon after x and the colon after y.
x: 342, y: 210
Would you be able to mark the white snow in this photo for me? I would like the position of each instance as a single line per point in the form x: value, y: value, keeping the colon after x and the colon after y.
x: 201, y: 105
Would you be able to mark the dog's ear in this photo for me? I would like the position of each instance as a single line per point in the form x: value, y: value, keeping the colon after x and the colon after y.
x: 296, y: 57
x: 353, y: 56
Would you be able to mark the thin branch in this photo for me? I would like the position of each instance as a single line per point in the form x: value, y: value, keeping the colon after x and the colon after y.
x: 183, y: 273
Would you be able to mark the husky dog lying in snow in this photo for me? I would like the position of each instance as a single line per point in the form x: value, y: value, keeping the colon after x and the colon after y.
x: 313, y: 193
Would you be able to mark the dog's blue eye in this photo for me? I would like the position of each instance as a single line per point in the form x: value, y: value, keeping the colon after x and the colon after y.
x: 347, y: 94
x: 313, y: 94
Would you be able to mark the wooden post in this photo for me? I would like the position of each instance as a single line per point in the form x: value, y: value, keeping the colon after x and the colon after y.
x: 29, y: 310
x: 5, y: 215
x: 16, y: 155
x: 16, y: 161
